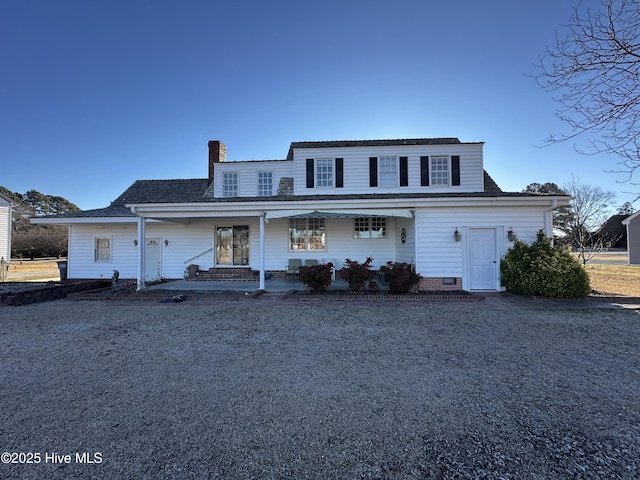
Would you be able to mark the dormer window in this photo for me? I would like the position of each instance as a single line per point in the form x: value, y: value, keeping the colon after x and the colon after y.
x: 388, y: 171
x: 324, y: 172
x: 439, y: 171
x: 265, y: 184
x: 230, y: 184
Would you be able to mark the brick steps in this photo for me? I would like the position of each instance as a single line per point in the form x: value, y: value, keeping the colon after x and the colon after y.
x: 227, y: 275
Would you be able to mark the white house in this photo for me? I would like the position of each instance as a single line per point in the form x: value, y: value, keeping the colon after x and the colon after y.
x: 5, y: 227
x: 632, y: 223
x: 427, y: 202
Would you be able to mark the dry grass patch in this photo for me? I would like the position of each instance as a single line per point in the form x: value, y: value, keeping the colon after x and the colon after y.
x: 615, y: 279
x: 31, y: 270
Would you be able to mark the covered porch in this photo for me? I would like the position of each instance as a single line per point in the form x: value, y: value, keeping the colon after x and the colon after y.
x: 268, y: 238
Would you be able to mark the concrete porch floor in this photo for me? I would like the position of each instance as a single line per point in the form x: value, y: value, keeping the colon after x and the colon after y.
x: 271, y: 285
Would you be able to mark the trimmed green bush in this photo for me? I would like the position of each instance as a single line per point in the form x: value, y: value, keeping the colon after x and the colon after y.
x: 357, y: 274
x: 543, y: 269
x: 400, y: 277
x: 317, y: 277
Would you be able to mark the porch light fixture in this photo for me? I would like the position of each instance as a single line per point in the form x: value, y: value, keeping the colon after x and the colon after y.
x: 511, y: 235
x: 135, y: 243
x: 166, y: 242
x: 457, y: 236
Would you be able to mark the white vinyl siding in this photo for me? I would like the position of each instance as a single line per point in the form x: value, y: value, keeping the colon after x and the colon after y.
x: 247, y: 177
x: 5, y: 230
x: 438, y: 255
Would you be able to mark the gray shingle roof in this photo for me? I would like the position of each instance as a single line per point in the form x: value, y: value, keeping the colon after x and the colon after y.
x: 372, y: 143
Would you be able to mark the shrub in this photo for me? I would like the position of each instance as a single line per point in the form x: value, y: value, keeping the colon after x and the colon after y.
x: 543, y: 269
x: 317, y: 277
x: 357, y: 274
x: 400, y: 277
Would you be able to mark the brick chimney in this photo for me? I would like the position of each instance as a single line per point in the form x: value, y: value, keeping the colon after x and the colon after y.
x: 217, y: 153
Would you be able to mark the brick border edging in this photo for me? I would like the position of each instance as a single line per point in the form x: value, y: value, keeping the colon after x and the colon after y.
x: 51, y: 292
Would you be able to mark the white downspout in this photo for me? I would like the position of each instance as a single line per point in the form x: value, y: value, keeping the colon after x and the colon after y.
x: 548, y: 219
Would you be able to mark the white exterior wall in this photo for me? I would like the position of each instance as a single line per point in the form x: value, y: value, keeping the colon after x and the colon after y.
x: 248, y: 175
x: 340, y: 245
x: 185, y: 242
x: 438, y: 255
x: 356, y: 168
x: 5, y: 230
x: 198, y: 240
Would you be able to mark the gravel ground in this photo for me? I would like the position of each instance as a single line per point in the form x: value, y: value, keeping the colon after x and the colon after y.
x: 269, y: 388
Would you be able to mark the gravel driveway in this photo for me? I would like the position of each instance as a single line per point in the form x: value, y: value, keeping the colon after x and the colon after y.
x: 271, y: 389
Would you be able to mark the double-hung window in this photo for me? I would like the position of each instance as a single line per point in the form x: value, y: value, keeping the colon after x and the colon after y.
x: 102, y: 250
x: 370, y: 227
x: 230, y: 184
x: 306, y: 234
x: 324, y: 172
x: 265, y: 184
x: 388, y: 171
x: 439, y: 170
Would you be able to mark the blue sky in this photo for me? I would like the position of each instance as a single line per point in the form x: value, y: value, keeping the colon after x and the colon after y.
x: 97, y: 94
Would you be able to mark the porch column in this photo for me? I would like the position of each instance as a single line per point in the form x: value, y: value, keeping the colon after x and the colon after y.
x: 262, y: 251
x: 142, y: 235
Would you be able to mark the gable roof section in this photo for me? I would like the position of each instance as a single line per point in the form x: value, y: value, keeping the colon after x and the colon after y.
x: 372, y: 143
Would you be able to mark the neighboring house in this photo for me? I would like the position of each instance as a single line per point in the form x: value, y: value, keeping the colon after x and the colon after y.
x: 632, y: 222
x: 612, y: 233
x: 427, y: 202
x: 6, y: 205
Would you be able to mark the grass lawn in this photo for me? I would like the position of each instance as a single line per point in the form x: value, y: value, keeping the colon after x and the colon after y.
x: 615, y: 279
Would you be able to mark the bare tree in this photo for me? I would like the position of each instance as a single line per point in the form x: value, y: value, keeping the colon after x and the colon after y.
x: 595, y: 70
x: 588, y: 210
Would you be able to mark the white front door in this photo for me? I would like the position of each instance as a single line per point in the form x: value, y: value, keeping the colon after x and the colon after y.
x: 152, y: 259
x: 483, y: 265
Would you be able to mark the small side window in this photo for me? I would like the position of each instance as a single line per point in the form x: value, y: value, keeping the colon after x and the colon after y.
x: 102, y: 250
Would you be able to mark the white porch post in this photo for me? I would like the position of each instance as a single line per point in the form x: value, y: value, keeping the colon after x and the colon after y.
x: 142, y: 235
x: 262, y: 250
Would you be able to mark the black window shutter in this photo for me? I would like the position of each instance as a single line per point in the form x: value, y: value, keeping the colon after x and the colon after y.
x: 339, y: 172
x: 424, y: 171
x: 455, y: 169
x: 310, y: 173
x: 373, y: 171
x: 404, y: 172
